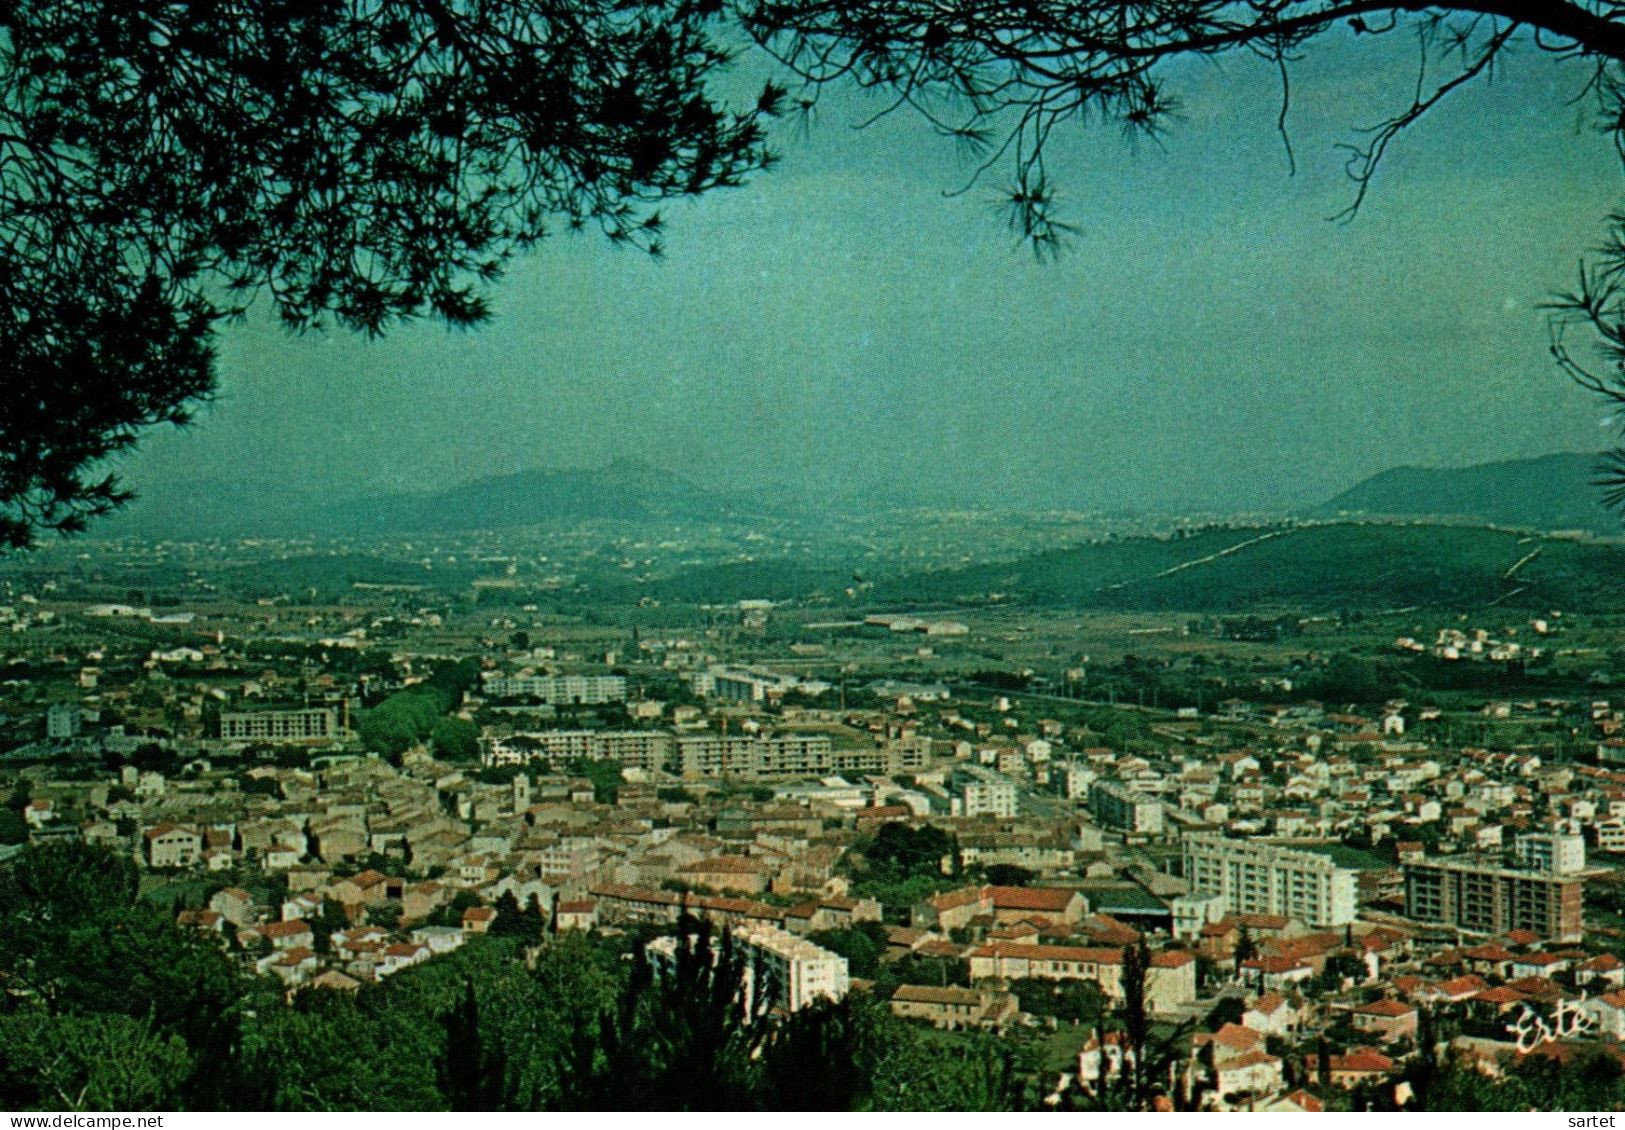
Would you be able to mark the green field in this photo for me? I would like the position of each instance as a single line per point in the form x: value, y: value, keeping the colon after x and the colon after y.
x: 1370, y: 566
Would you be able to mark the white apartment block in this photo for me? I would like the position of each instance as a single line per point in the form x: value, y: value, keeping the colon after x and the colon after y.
x: 169, y: 846
x: 634, y: 749
x: 302, y: 725
x: 796, y: 972
x: 1255, y: 877
x: 978, y: 791
x: 559, y: 690
x: 752, y: 684
x: 573, y: 859
x: 1192, y: 912
x: 908, y: 756
x: 63, y: 720
x: 702, y: 756
x: 1118, y: 806
x: 1074, y: 778
x: 793, y: 972
x: 1556, y: 853
x: 1611, y: 835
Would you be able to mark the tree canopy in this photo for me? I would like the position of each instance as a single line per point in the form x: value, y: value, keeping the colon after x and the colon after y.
x: 356, y: 163
x: 1002, y: 78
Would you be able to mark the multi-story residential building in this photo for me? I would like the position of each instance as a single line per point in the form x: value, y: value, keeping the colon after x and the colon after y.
x: 882, y: 761
x: 169, y: 846
x: 1257, y: 877
x: 559, y: 690
x: 572, y: 859
x: 1557, y: 853
x: 1192, y: 912
x: 1611, y: 835
x: 792, y: 972
x: 1118, y: 806
x: 1483, y: 897
x: 952, y: 1007
x: 1170, y: 980
x: 63, y: 720
x: 794, y: 755
x: 305, y: 724
x: 782, y: 755
x: 979, y: 791
x: 635, y: 749
x: 1043, y: 852
x: 752, y: 684
x: 1074, y: 779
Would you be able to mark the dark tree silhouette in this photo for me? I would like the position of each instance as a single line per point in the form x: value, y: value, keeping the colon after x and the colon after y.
x: 1000, y: 78
x: 1136, y: 1018
x: 163, y: 163
x: 685, y: 1034
x: 363, y: 162
x: 697, y: 1028
x: 472, y: 1073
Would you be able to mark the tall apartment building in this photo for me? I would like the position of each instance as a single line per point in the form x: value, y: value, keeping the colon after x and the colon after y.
x: 1256, y: 877
x: 782, y: 755
x: 310, y: 724
x: 978, y: 791
x: 1118, y: 806
x: 793, y: 970
x: 63, y: 720
x: 559, y: 690
x: 1073, y: 778
x: 634, y: 749
x: 1485, y: 898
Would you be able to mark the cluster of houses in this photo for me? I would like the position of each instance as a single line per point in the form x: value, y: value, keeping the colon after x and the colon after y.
x: 1460, y: 915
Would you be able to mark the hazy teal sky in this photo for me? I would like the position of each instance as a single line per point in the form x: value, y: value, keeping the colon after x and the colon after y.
x: 1212, y: 342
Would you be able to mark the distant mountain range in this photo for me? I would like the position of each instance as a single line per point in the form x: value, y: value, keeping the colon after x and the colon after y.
x: 625, y: 489
x: 1552, y: 492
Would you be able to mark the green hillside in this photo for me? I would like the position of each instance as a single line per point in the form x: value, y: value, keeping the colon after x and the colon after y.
x: 1368, y: 566
x: 1552, y: 492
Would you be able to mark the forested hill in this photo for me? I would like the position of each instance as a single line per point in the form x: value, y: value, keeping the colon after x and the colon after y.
x: 1553, y: 492
x: 1368, y: 566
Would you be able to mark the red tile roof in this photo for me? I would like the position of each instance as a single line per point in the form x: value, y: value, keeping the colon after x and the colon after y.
x: 1386, y: 1007
x: 291, y: 928
x: 724, y: 865
x: 952, y: 900
x: 1047, y: 899
x: 1274, y: 963
x: 1268, y: 1004
x: 1306, y: 1102
x: 1050, y: 953
x: 1462, y: 987
x: 1233, y: 1035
